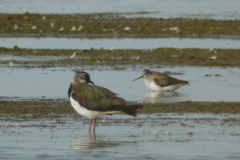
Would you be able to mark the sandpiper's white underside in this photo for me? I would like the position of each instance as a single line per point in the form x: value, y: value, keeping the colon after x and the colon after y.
x: 156, y: 88
x: 84, y: 111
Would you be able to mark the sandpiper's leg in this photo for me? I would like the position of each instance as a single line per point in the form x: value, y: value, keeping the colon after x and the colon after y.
x: 94, y: 124
x: 90, y: 123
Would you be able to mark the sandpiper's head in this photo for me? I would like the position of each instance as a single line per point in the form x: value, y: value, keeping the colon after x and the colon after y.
x: 82, y: 77
x: 145, y: 73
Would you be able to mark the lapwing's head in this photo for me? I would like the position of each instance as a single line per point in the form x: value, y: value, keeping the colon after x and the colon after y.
x: 145, y: 74
x: 82, y: 77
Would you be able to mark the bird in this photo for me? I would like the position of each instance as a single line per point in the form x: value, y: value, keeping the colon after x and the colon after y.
x: 61, y: 29
x: 73, y: 55
x: 111, y: 49
x: 94, y: 101
x: 52, y: 24
x: 80, y: 28
x: 159, y: 82
x: 73, y: 28
x: 135, y: 57
x: 127, y: 28
x: 210, y: 50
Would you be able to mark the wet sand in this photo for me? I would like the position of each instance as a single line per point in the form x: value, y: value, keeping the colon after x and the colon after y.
x: 49, y: 108
x: 112, y: 24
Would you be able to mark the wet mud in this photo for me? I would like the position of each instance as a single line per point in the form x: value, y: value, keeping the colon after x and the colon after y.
x: 52, y: 108
x: 158, y: 57
x: 113, y: 25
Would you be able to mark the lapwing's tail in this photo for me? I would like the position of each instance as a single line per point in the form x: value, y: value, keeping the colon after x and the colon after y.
x: 132, y: 110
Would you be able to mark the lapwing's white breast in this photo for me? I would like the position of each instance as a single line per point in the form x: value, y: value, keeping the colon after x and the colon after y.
x: 84, y: 111
x: 154, y: 87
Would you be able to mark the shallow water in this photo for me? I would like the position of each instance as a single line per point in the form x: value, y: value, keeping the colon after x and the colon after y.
x: 30, y: 58
x: 206, y: 84
x: 215, y: 9
x: 158, y: 136
x: 118, y: 43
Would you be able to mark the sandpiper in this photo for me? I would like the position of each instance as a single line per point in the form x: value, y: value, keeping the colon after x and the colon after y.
x: 94, y: 101
x: 160, y: 82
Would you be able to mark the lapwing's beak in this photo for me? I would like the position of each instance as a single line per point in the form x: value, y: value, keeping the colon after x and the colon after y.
x: 91, y: 82
x: 138, y: 78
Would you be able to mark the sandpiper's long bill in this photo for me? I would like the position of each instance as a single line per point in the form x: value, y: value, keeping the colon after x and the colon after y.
x: 94, y: 101
x: 160, y: 82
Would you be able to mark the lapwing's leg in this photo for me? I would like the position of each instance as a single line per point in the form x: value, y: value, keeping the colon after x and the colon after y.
x: 94, y: 124
x: 90, y: 123
x: 90, y: 135
x: 94, y: 136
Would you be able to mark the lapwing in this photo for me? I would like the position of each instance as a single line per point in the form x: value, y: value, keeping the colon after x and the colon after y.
x: 93, y: 101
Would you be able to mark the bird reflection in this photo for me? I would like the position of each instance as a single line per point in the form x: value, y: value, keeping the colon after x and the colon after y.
x: 94, y: 135
x: 154, y: 97
x: 92, y: 143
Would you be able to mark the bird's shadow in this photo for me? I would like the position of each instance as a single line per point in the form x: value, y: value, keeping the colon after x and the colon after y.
x: 154, y: 97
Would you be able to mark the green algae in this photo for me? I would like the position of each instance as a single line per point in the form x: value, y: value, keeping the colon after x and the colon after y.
x: 112, y: 25
x: 33, y: 109
x: 158, y: 57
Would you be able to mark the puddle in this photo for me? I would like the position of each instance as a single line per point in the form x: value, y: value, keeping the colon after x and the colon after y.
x: 158, y: 136
x: 190, y: 9
x: 30, y: 58
x: 206, y: 84
x: 124, y: 43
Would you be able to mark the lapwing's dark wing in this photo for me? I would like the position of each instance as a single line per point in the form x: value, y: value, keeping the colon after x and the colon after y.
x: 97, y: 98
x: 165, y: 80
